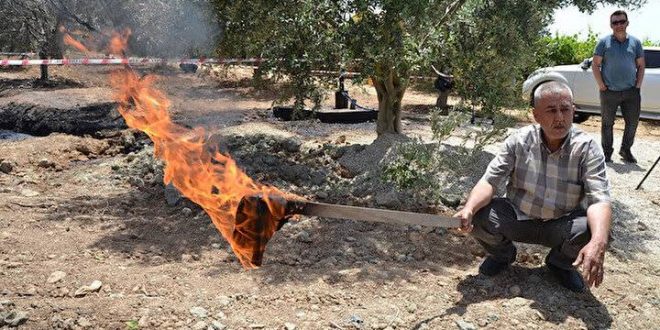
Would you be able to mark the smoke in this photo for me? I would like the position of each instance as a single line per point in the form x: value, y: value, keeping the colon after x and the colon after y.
x: 172, y: 28
x: 159, y: 28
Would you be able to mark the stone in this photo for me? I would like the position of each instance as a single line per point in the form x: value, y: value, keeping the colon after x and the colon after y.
x: 199, y: 312
x: 14, y: 318
x: 411, y: 308
x: 201, y: 325
x: 143, y: 322
x: 289, y: 326
x: 642, y: 226
x: 6, y: 167
x: 388, y: 199
x: 85, y: 323
x: 519, y: 302
x: 172, y: 195
x: 515, y: 290
x: 56, y: 277
x: 304, y: 237
x: 95, y: 286
x: 46, y: 163
x: 84, y: 290
x: 29, y: 193
x: 223, y: 301
x: 463, y: 325
x: 217, y: 325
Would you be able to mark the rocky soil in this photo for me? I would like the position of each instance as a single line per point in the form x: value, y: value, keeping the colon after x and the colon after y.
x: 90, y: 238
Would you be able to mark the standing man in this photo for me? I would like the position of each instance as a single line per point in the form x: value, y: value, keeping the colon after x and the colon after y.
x: 549, y: 169
x: 618, y: 67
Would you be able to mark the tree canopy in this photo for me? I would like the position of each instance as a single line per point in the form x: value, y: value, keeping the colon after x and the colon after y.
x: 486, y: 44
x: 159, y: 27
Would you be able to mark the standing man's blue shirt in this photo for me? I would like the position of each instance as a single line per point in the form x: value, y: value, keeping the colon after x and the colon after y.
x: 619, y: 66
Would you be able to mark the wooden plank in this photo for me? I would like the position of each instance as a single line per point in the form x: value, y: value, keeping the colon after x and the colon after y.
x: 371, y: 214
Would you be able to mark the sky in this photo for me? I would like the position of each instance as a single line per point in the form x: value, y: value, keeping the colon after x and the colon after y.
x: 644, y: 22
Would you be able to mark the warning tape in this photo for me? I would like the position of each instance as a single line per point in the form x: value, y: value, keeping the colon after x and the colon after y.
x: 132, y: 60
x: 142, y: 60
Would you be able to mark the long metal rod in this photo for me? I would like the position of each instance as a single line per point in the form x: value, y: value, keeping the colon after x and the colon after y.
x: 370, y: 214
x: 647, y: 173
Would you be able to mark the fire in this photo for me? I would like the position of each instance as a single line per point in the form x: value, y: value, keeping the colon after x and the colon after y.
x: 119, y: 41
x: 115, y: 42
x: 209, y: 178
x: 75, y: 43
x: 204, y: 175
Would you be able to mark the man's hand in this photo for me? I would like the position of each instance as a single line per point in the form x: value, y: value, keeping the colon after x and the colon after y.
x: 466, y: 219
x: 602, y: 87
x: 591, y: 259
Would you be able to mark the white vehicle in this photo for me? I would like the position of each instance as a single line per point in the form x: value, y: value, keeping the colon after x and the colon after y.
x: 585, y: 90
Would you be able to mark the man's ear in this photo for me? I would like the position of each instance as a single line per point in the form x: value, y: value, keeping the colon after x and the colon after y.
x: 535, y: 114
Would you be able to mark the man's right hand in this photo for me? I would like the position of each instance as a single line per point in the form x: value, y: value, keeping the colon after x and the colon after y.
x: 602, y: 87
x: 466, y: 219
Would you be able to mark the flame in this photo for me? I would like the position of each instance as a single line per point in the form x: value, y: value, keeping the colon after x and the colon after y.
x: 116, y: 42
x: 69, y: 40
x: 208, y: 178
x: 119, y: 41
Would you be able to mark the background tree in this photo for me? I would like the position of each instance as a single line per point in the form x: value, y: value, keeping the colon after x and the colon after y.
x: 486, y: 44
x: 167, y: 28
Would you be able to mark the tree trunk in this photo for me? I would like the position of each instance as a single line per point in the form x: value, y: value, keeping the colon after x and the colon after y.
x: 44, y: 67
x: 390, y: 89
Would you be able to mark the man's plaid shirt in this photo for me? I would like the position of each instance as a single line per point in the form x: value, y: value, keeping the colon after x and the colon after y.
x: 545, y: 185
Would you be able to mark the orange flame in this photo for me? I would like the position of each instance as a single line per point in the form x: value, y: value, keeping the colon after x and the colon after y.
x: 75, y: 43
x: 119, y: 41
x: 210, y: 179
x: 116, y: 42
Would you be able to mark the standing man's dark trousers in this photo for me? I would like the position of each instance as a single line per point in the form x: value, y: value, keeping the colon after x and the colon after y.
x: 630, y: 102
x: 496, y: 227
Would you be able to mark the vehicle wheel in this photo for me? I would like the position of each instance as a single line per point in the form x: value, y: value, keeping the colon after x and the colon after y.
x: 580, y: 117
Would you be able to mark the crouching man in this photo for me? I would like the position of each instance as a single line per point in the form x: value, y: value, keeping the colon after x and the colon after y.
x: 549, y: 168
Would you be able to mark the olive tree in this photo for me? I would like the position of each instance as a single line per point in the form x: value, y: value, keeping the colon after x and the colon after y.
x: 484, y: 43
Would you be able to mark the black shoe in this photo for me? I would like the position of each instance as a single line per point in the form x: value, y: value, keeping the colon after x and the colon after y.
x: 608, y: 158
x: 627, y: 156
x: 568, y: 278
x: 492, y: 267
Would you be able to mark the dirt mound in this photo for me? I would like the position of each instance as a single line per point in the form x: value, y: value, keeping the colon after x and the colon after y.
x: 75, y: 111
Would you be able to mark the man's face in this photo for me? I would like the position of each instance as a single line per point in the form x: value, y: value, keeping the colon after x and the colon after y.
x: 554, y: 112
x: 619, y: 23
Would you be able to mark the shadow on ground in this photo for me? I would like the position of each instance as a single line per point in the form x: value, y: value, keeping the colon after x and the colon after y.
x: 554, y: 303
x: 141, y: 225
x: 7, y: 85
x: 628, y: 236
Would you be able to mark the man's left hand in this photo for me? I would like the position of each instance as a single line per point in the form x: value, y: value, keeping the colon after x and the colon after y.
x: 591, y: 258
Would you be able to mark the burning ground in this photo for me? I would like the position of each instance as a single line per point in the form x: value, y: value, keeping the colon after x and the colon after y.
x: 75, y: 209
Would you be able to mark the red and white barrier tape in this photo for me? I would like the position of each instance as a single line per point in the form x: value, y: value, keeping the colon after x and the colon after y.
x: 142, y: 60
x: 132, y: 60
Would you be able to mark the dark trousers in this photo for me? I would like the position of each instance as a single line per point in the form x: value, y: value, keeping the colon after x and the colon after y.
x: 496, y: 227
x: 630, y: 102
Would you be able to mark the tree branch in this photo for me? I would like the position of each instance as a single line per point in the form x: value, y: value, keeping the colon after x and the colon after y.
x: 449, y: 12
x: 62, y: 8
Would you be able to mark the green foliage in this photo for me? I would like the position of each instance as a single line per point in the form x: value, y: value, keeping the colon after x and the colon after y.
x: 564, y: 49
x: 411, y: 166
x: 489, y: 48
x: 650, y: 43
x: 132, y: 325
x: 488, y: 45
x: 418, y: 165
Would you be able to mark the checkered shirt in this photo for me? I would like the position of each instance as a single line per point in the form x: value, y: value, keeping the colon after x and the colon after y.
x: 545, y: 185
